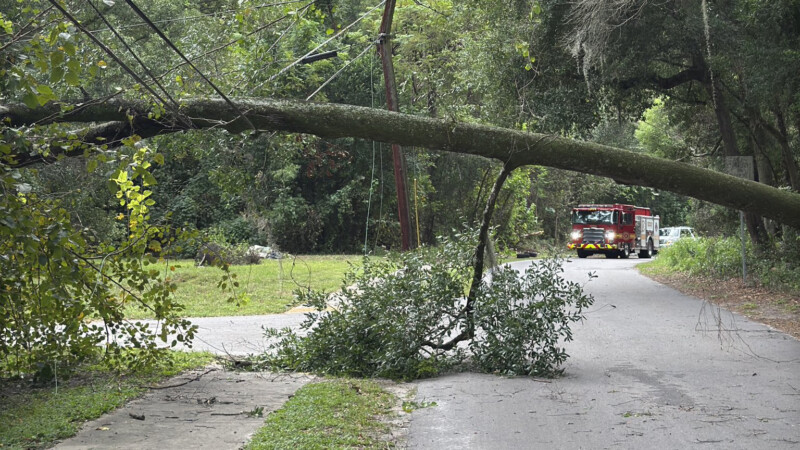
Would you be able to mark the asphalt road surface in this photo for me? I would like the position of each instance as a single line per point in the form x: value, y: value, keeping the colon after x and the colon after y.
x: 650, y: 368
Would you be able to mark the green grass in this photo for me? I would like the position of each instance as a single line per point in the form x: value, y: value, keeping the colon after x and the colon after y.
x: 32, y: 417
x: 339, y: 413
x: 269, y: 286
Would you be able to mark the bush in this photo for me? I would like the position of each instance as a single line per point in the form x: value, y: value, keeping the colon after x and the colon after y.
x: 398, y: 317
x: 237, y: 231
x: 775, y: 267
x: 217, y: 254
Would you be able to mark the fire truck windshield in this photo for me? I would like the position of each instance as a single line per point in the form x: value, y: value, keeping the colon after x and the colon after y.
x: 594, y: 217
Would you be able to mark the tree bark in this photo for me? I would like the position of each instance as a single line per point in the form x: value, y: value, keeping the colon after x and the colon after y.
x: 792, y: 171
x: 514, y: 148
x: 480, y: 249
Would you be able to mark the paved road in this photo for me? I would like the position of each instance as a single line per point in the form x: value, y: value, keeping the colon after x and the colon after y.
x: 650, y: 368
x: 239, y: 335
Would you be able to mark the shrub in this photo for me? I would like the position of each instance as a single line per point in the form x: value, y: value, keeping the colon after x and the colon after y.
x: 218, y: 254
x: 777, y: 267
x: 397, y: 318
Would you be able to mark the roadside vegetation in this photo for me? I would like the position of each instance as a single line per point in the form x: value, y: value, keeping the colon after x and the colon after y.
x: 38, y: 409
x: 336, y: 413
x: 776, y: 267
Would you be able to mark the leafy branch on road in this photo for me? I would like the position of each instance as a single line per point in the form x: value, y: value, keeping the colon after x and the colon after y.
x: 393, y: 316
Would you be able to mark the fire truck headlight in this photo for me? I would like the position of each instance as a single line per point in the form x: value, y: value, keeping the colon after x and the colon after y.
x: 575, y: 235
x: 610, y: 235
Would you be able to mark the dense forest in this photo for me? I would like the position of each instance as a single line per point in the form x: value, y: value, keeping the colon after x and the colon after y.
x: 686, y: 81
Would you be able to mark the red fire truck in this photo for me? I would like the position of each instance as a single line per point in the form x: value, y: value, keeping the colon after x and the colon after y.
x: 614, y: 230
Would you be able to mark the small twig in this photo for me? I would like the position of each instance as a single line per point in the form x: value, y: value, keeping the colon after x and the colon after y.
x: 197, y: 378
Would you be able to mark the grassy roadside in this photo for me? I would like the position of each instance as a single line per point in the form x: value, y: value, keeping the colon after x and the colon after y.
x: 37, y: 417
x: 269, y: 285
x: 337, y: 413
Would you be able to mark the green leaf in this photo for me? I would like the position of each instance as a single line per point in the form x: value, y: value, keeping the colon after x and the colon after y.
x: 7, y: 25
x: 69, y: 48
x: 56, y: 74
x: 329, y: 31
x: 56, y: 58
x: 31, y: 100
x: 72, y: 79
x: 149, y: 179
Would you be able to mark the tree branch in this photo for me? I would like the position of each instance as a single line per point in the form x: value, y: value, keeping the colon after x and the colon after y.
x: 515, y: 148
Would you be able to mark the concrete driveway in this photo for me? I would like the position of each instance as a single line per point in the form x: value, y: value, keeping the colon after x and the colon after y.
x: 649, y: 368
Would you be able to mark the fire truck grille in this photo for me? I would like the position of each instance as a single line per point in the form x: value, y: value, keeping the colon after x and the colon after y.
x: 592, y: 235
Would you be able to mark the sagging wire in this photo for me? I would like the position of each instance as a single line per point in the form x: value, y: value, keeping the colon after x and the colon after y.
x: 299, y: 13
x: 314, y: 50
x: 229, y: 43
x: 199, y: 16
x: 339, y: 71
x: 175, y: 107
x: 107, y: 50
x: 144, y: 17
x: 372, y: 174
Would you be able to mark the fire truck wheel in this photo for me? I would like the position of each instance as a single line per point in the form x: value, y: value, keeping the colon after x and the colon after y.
x: 647, y: 253
x: 582, y: 253
x: 625, y: 252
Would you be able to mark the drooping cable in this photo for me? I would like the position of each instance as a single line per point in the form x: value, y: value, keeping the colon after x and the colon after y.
x: 144, y: 17
x: 173, y: 105
x: 280, y: 38
x: 314, y: 50
x: 339, y: 71
x: 229, y: 43
x: 372, y: 175
x: 107, y: 50
x: 198, y: 16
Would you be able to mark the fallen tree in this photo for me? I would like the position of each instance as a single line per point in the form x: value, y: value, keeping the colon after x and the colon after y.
x: 119, y: 119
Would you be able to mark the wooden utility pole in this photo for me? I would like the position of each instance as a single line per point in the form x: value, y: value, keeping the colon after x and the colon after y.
x: 385, y: 52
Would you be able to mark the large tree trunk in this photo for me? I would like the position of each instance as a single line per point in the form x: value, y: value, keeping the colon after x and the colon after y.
x: 728, y: 135
x: 514, y: 148
x: 792, y: 171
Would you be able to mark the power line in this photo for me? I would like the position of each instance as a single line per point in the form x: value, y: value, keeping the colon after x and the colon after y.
x: 174, y: 48
x: 228, y: 44
x: 174, y: 105
x: 297, y: 61
x: 107, y: 50
x: 280, y: 38
x: 339, y: 71
x: 199, y: 16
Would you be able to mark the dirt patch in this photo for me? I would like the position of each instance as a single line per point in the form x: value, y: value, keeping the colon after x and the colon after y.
x: 776, y: 309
